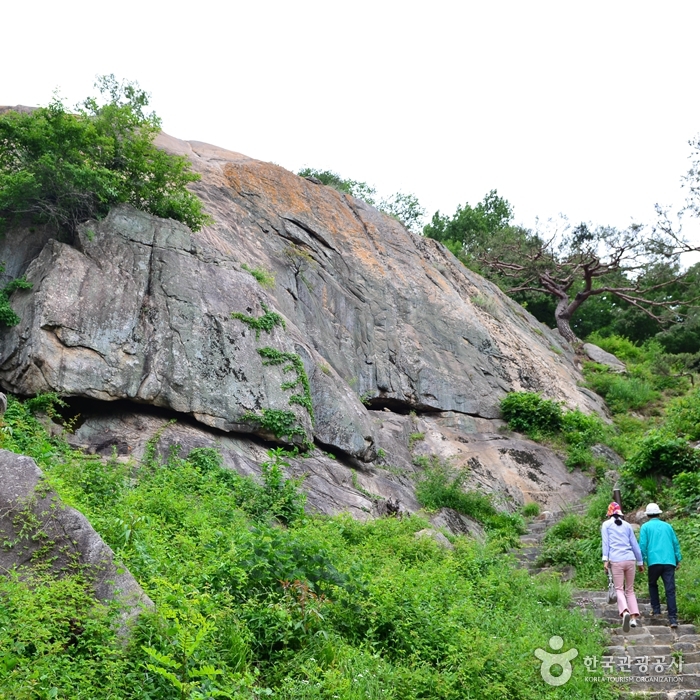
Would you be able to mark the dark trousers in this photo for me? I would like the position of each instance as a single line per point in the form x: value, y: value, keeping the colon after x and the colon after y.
x: 667, y: 572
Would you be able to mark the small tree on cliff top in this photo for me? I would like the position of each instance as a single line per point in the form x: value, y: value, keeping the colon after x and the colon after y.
x: 64, y: 168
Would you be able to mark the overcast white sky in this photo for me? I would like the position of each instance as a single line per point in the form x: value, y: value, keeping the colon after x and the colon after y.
x: 584, y: 108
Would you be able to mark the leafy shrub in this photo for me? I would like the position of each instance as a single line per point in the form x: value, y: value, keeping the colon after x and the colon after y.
x: 443, y: 487
x: 662, y: 454
x: 574, y: 540
x: 581, y: 429
x: 624, y: 349
x: 57, y: 641
x: 45, y: 403
x: 621, y: 393
x: 64, y: 168
x: 413, y: 438
x: 579, y: 457
x: 683, y: 416
x: 529, y: 413
x: 687, y: 577
x: 580, y: 432
x: 263, y: 277
x: 686, y: 491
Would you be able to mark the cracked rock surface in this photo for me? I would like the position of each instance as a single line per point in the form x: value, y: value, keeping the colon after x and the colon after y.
x: 139, y: 308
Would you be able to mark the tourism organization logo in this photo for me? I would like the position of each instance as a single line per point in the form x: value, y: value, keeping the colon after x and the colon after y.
x: 611, y: 669
x: 550, y: 661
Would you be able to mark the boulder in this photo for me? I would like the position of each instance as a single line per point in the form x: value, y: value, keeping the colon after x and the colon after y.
x: 38, y: 530
x: 602, y: 357
x: 608, y: 454
x: 435, y: 536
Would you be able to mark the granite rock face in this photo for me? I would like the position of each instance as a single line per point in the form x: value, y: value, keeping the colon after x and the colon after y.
x: 139, y: 310
x: 60, y: 536
x: 141, y: 313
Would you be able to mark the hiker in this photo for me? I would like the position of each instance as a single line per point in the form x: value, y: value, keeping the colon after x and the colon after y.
x: 662, y: 553
x: 621, y: 553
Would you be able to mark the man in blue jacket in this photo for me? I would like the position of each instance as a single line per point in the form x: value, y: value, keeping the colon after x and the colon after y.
x: 662, y: 553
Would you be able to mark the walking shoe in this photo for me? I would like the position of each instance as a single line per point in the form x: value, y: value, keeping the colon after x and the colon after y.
x: 633, y: 623
x: 626, y: 622
x: 673, y: 624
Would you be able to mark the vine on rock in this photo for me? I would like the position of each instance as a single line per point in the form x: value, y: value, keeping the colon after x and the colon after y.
x: 8, y: 317
x: 272, y: 356
x: 278, y: 422
x: 266, y: 322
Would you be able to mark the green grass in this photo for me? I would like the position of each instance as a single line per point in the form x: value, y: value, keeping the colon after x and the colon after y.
x: 441, y: 486
x: 249, y: 607
x: 530, y: 510
x: 264, y: 278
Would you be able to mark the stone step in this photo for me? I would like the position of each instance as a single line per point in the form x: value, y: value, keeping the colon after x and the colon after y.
x: 652, y: 638
x: 684, y: 681
x: 655, y: 631
x: 660, y: 635
x: 529, y: 539
x: 656, y: 695
x: 691, y: 659
x: 527, y: 556
x: 641, y: 650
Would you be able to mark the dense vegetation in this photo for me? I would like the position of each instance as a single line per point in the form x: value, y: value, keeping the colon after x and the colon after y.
x: 255, y: 599
x: 62, y: 167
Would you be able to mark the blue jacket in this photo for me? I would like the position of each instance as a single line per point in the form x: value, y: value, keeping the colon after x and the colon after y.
x: 619, y: 542
x: 659, y: 543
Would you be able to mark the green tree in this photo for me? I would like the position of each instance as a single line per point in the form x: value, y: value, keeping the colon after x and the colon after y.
x: 63, y: 168
x: 637, y: 267
x: 471, y: 228
x: 629, y: 277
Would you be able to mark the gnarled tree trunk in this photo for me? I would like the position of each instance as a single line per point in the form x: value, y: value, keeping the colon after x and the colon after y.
x: 562, y: 315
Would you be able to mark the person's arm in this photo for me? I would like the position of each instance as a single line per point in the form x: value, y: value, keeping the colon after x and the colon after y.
x: 635, y: 547
x: 606, y: 544
x: 676, y: 547
x: 644, y: 543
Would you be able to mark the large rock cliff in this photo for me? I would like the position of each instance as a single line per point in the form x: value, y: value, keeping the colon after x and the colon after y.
x: 382, y: 323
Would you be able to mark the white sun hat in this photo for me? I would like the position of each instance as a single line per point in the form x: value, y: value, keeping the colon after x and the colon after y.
x: 653, y: 509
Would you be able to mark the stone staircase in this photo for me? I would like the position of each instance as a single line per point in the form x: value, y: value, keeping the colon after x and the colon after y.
x: 651, y: 661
